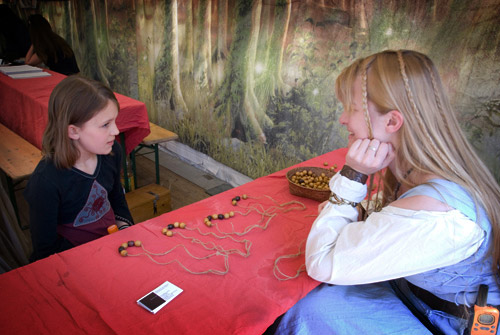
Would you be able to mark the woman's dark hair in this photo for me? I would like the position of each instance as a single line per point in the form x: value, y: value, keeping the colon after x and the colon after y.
x: 47, y: 44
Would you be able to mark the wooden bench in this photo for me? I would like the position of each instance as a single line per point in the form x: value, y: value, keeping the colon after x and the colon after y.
x: 18, y: 160
x: 158, y: 135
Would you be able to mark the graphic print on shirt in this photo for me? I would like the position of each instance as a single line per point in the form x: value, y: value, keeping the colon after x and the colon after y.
x: 95, y: 208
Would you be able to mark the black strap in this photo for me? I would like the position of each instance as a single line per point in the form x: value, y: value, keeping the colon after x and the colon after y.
x: 419, y: 315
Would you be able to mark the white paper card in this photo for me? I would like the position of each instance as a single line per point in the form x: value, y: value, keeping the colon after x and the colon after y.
x: 19, y: 69
x: 29, y: 75
x: 159, y: 297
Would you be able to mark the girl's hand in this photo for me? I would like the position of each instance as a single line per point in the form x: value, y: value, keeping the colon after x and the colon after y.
x: 369, y: 156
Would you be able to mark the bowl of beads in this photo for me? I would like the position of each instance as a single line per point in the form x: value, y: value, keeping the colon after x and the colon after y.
x: 310, y: 182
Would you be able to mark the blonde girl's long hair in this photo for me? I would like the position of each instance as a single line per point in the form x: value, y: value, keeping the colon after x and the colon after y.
x: 431, y: 140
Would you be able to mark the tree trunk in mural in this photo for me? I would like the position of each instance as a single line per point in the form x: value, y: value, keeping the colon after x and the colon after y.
x: 188, y: 65
x: 145, y: 23
x: 178, y: 99
x: 229, y: 103
x: 207, y: 50
x: 363, y: 25
x: 203, y: 73
x: 100, y: 32
x: 93, y: 60
x: 221, y: 53
x: 255, y: 112
x: 283, y: 46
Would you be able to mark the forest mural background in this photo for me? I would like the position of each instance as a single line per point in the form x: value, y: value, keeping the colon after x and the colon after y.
x: 250, y: 83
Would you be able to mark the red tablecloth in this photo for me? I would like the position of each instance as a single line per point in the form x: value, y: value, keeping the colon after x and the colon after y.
x: 24, y: 109
x: 91, y: 289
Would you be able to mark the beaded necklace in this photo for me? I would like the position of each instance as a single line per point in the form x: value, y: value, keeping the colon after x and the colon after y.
x: 215, y: 221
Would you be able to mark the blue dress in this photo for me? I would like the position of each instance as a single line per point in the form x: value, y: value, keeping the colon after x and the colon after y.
x: 376, y: 309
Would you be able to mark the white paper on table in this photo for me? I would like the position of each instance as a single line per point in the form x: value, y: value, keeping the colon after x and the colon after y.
x: 29, y: 75
x: 19, y: 69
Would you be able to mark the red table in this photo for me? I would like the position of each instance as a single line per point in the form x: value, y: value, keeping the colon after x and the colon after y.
x: 25, y: 109
x: 91, y: 289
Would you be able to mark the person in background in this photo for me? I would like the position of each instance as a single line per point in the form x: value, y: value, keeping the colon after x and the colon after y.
x: 49, y: 48
x: 75, y: 192
x: 415, y: 264
x: 14, y: 36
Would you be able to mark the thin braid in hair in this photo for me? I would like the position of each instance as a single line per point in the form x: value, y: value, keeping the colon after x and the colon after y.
x: 435, y: 91
x: 368, y: 121
x: 365, y: 103
x: 417, y: 113
x: 410, y: 94
x: 434, y: 87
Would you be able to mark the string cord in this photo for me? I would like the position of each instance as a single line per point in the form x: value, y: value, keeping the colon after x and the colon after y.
x: 266, y: 215
x: 282, y: 276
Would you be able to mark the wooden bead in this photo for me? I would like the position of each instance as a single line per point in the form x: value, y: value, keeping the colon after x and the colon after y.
x: 137, y: 243
x: 244, y: 196
x: 125, y: 245
x: 176, y: 224
x: 182, y: 225
x: 226, y: 216
x: 124, y: 253
x: 231, y: 214
x: 170, y: 226
x: 220, y: 216
x: 237, y: 198
x: 208, y: 223
x: 112, y: 229
x: 215, y: 216
x: 234, y: 202
x: 169, y: 233
x: 130, y: 243
x: 164, y: 231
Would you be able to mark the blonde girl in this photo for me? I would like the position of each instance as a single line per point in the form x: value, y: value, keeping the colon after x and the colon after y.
x: 413, y: 266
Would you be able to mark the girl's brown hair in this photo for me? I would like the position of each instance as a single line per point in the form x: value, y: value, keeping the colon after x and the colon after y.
x: 431, y: 140
x: 74, y: 101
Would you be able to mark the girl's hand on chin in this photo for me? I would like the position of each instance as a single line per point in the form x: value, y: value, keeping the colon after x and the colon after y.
x: 369, y: 156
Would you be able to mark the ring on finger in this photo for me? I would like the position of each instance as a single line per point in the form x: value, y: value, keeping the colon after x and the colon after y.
x: 371, y: 147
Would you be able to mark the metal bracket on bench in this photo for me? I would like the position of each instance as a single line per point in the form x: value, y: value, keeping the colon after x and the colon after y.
x: 157, y: 197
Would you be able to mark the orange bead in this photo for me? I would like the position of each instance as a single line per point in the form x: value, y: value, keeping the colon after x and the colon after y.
x: 137, y: 243
x: 182, y: 225
x: 208, y: 223
x: 124, y: 253
x: 169, y: 233
x: 112, y: 229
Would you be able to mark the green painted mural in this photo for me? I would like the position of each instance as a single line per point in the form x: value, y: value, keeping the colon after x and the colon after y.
x: 250, y: 83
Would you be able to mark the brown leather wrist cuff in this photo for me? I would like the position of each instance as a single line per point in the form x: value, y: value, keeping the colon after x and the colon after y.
x: 354, y: 175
